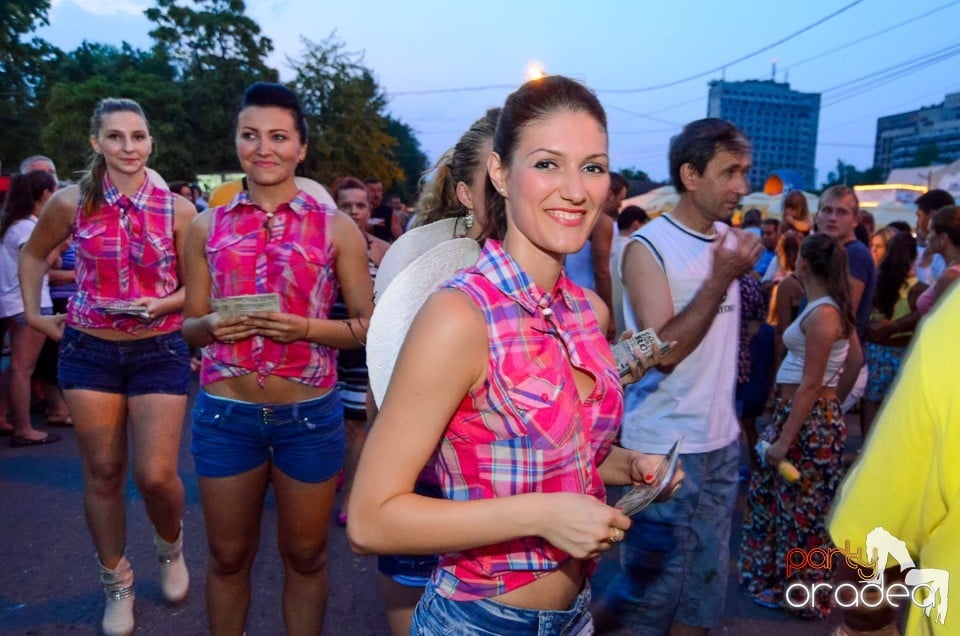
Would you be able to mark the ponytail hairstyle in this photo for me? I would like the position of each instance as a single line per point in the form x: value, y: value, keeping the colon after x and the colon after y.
x: 438, y: 198
x: 788, y: 248
x: 91, y: 184
x: 827, y: 261
x: 25, y: 192
x: 533, y: 101
x: 894, y: 270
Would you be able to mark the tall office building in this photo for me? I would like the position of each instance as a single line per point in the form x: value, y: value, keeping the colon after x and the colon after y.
x: 781, y: 124
x: 901, y: 137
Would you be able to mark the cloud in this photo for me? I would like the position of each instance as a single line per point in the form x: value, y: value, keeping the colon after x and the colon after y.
x: 109, y: 7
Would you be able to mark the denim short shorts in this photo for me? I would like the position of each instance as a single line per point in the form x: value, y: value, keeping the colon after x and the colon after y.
x: 436, y: 614
x: 305, y: 440
x: 160, y: 364
x: 675, y: 557
x: 412, y: 570
x: 21, y: 318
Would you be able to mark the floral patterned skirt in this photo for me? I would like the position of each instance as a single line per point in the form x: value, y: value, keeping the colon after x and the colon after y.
x: 781, y: 516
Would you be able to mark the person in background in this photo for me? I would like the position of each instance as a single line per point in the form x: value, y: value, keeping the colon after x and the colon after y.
x: 795, y: 213
x: 630, y: 219
x: 751, y: 221
x: 944, y: 239
x: 268, y: 412
x: 878, y: 243
x: 523, y: 515
x: 769, y: 234
x: 197, y: 198
x: 680, y: 274
x: 929, y: 266
x: 28, y: 194
x: 868, y: 224
x: 807, y: 430
x: 125, y: 375
x: 892, y: 322
x: 787, y: 293
x: 352, y: 378
x: 381, y: 214
x: 398, y: 218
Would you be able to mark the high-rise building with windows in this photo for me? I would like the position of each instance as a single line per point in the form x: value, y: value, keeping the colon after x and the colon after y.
x: 781, y: 124
x: 920, y: 137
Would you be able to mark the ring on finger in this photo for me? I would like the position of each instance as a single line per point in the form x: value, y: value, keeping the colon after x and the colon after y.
x: 616, y: 534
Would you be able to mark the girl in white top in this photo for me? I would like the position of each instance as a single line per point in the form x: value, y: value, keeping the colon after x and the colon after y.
x: 807, y: 430
x: 28, y: 193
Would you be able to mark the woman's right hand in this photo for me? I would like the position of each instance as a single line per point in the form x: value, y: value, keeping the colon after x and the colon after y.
x: 582, y: 525
x: 228, y: 329
x: 50, y: 326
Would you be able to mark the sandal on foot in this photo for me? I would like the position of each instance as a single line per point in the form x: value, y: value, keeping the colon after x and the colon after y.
x: 19, y: 442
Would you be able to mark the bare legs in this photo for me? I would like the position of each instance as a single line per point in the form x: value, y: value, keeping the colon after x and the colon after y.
x: 25, y: 346
x: 232, y: 507
x: 100, y: 424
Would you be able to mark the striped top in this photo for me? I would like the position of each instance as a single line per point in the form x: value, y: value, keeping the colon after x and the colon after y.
x: 125, y: 251
x: 526, y: 429
x: 293, y: 257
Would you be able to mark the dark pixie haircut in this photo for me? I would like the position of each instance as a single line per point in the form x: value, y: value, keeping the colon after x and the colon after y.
x: 934, y: 200
x: 900, y: 226
x: 630, y: 215
x: 699, y: 142
x: 531, y: 102
x: 268, y: 94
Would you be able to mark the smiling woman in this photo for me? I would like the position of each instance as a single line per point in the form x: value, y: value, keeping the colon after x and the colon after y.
x: 267, y: 412
x: 523, y: 515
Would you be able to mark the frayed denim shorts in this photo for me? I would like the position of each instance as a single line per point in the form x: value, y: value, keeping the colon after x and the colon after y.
x: 437, y: 615
x: 304, y: 440
x: 160, y: 364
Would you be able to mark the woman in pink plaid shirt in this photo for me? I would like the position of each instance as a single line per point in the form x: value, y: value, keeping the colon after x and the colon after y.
x: 506, y: 381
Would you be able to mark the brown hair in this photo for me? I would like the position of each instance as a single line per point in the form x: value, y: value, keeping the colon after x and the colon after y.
x: 91, y: 184
x: 828, y: 263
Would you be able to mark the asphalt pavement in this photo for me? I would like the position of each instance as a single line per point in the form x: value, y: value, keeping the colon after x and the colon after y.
x: 48, y: 568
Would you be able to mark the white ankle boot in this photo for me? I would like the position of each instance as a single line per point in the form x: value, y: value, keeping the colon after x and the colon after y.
x: 174, y: 578
x: 118, y: 587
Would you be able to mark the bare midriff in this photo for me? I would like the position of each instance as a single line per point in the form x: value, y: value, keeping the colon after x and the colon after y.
x: 555, y: 591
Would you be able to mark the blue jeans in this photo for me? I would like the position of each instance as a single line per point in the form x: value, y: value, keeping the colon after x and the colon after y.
x: 439, y: 616
x: 675, y: 557
x: 305, y: 440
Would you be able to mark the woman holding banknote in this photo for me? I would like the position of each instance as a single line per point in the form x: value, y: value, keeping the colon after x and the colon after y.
x: 268, y: 412
x: 121, y: 353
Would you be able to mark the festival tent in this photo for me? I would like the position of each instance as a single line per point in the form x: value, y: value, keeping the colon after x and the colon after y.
x: 886, y: 213
x: 655, y: 202
x: 770, y: 206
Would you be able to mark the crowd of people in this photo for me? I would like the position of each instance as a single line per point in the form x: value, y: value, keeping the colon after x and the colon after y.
x: 481, y: 477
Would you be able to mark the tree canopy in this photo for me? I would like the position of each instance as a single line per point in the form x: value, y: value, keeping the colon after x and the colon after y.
x: 189, y: 83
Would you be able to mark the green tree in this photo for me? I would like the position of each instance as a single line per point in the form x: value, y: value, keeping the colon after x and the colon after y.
x: 847, y: 174
x: 926, y: 155
x: 411, y: 158
x: 216, y: 51
x: 633, y: 174
x: 344, y: 104
x: 23, y: 67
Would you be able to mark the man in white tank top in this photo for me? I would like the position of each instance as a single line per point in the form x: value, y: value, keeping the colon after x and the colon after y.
x: 680, y: 277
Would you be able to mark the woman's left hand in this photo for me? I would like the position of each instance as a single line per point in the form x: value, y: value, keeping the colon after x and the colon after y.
x: 154, y: 307
x: 776, y: 452
x: 278, y: 326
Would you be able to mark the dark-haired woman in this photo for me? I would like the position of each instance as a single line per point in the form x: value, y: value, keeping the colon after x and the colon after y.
x: 807, y: 430
x: 28, y: 193
x: 128, y: 235
x: 520, y: 422
x: 892, y: 321
x: 268, y: 412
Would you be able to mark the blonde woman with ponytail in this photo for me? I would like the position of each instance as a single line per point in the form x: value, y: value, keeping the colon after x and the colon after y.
x: 121, y: 353
x: 807, y: 431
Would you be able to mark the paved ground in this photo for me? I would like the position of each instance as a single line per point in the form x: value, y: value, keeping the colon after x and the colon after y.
x: 48, y: 579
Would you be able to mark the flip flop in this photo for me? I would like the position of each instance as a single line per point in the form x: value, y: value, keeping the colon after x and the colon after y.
x: 19, y: 442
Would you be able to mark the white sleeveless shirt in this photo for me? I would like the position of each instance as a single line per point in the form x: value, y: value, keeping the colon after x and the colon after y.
x: 696, y: 399
x: 791, y: 369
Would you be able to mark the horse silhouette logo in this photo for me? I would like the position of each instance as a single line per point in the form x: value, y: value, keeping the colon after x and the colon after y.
x: 881, y: 545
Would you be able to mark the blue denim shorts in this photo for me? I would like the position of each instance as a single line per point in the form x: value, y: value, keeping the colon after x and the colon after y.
x: 484, y: 617
x: 305, y: 440
x: 160, y: 364
x: 412, y: 570
x: 675, y: 557
x: 21, y: 318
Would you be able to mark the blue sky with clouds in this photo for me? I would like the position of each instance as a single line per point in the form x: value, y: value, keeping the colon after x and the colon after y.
x: 612, y: 46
